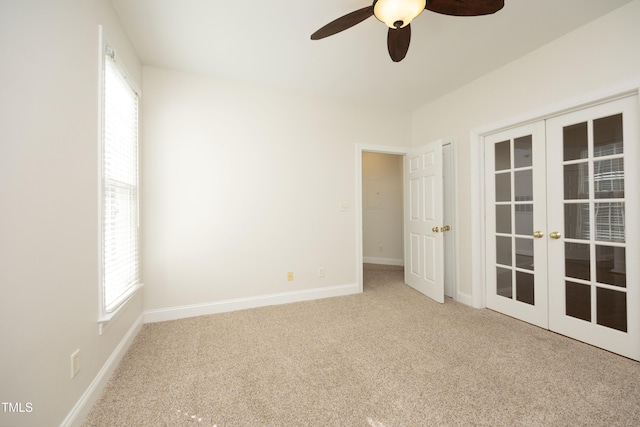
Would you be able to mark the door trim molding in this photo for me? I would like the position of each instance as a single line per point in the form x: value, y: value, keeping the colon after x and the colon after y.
x: 476, y: 152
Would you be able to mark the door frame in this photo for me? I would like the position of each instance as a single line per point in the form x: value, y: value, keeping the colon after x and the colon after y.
x: 477, y: 169
x: 402, y: 151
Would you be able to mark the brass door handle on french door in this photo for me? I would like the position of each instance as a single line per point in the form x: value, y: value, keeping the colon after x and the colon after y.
x: 555, y: 235
x: 538, y: 234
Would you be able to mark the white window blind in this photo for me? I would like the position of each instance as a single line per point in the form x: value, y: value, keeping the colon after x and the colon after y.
x: 120, y: 251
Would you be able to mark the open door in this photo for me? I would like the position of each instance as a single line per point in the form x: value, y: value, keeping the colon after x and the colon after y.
x: 424, y: 228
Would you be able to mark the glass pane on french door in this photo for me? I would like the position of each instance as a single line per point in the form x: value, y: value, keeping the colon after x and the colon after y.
x: 592, y: 158
x: 515, y: 210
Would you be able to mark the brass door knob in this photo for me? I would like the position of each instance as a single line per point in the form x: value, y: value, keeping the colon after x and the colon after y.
x: 446, y: 228
x: 435, y: 229
x: 538, y: 234
x: 555, y: 235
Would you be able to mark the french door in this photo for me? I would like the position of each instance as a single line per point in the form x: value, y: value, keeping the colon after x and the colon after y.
x: 560, y: 252
x: 516, y: 213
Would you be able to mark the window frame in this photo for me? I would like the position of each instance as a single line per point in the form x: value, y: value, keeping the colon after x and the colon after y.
x: 108, y: 52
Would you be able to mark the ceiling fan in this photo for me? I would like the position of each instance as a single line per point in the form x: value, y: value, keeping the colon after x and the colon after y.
x: 398, y: 14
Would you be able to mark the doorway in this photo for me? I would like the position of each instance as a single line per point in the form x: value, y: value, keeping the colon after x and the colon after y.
x: 372, y: 193
x: 382, y: 200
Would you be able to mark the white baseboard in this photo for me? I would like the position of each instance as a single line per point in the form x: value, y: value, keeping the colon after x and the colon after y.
x: 182, y: 312
x: 91, y: 394
x: 383, y: 261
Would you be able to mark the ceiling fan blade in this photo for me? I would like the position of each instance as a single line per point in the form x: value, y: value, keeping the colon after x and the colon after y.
x: 398, y: 42
x: 343, y: 23
x: 465, y: 7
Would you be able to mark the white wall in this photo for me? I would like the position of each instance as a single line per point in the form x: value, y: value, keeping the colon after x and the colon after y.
x: 382, y: 198
x: 49, y: 215
x: 243, y: 184
x: 600, y: 54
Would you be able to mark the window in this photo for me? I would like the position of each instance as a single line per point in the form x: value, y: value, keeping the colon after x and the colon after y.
x: 120, y: 263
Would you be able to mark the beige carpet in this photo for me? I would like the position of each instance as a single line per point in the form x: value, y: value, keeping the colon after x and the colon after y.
x: 389, y: 357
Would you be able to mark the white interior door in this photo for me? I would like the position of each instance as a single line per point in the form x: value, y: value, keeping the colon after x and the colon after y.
x: 424, y: 241
x: 560, y: 253
x: 515, y: 222
x: 594, y: 273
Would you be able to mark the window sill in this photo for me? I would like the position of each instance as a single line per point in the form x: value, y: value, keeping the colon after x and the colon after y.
x: 105, y: 318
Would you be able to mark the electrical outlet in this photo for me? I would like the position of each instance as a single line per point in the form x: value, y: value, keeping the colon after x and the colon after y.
x: 290, y: 276
x: 75, y: 363
x: 321, y: 273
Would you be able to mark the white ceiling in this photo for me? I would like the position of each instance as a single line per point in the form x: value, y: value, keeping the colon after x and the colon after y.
x: 268, y: 42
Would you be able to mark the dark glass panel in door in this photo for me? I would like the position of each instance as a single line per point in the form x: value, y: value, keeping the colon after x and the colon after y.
x: 607, y: 136
x: 611, y: 265
x: 610, y: 218
x: 608, y: 178
x: 522, y: 156
x: 578, y: 300
x: 503, y: 219
x: 611, y: 309
x: 577, y: 260
x: 504, y: 286
x: 503, y: 187
x: 503, y: 250
x: 575, y: 142
x: 576, y: 221
x: 576, y: 181
x: 524, y: 253
x: 503, y: 155
x: 524, y: 287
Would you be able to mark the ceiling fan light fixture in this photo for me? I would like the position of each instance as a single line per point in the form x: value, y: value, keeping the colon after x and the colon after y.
x: 397, y: 13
